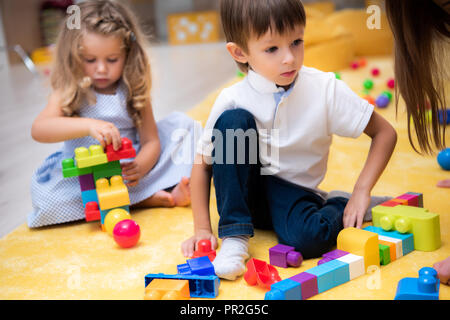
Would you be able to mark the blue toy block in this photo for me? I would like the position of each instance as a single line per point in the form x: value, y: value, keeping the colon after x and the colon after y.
x: 199, y: 286
x: 88, y: 196
x: 103, y: 213
x: 407, y: 238
x: 330, y: 274
x: 341, y: 272
x: 425, y: 287
x: 286, y: 289
x: 201, y: 266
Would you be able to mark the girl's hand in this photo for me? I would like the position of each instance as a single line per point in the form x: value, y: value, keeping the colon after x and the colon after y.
x: 132, y: 172
x: 190, y: 245
x: 356, y: 209
x: 105, y: 132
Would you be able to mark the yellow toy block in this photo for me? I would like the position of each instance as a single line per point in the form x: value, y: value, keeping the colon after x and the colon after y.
x: 113, y: 193
x: 424, y: 225
x: 90, y: 157
x: 362, y: 243
x: 167, y: 289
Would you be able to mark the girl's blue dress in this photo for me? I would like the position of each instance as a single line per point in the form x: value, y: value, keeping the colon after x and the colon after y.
x: 57, y: 200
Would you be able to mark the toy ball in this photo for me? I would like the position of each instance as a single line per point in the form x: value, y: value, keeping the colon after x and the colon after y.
x: 382, y: 101
x: 387, y: 94
x: 369, y: 99
x: 127, y: 233
x: 375, y: 72
x: 443, y: 159
x: 368, y: 84
x: 113, y: 217
x: 362, y: 62
x: 391, y: 83
x: 354, y: 65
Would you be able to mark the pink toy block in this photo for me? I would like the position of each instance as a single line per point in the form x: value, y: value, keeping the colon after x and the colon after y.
x: 284, y: 256
x: 86, y: 182
x: 261, y: 273
x: 308, y: 284
x: 413, y: 200
x: 126, y: 151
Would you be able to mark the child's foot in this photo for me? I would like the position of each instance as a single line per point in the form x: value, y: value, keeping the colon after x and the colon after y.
x: 181, y: 193
x: 161, y: 199
x: 230, y: 260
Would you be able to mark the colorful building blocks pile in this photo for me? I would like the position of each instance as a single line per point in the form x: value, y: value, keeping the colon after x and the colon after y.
x: 359, y: 249
x: 102, y: 188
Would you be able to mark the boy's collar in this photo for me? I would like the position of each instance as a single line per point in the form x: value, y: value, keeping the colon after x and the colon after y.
x: 264, y: 85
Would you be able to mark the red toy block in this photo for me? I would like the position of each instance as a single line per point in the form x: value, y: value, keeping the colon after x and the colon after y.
x: 261, y: 273
x: 390, y: 203
x: 91, y: 211
x: 126, y: 151
x: 204, y: 249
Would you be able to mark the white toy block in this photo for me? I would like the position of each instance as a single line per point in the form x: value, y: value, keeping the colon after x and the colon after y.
x: 398, y: 245
x: 355, y: 264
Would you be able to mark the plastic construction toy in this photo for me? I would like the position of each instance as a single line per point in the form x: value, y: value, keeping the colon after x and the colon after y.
x: 126, y: 233
x: 199, y: 286
x: 285, y: 256
x: 201, y: 266
x: 165, y: 289
x: 204, y: 249
x: 126, y: 150
x: 425, y: 287
x: 260, y: 273
x: 443, y: 159
x: 93, y: 156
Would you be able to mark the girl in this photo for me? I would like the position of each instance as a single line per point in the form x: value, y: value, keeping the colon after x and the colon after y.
x: 101, y: 92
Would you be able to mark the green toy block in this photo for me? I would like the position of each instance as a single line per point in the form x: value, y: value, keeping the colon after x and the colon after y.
x: 107, y: 170
x: 424, y: 225
x: 70, y: 170
x: 385, y: 255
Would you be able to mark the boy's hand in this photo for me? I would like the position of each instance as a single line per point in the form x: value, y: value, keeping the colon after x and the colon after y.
x: 190, y: 245
x: 105, y: 132
x: 356, y: 209
x: 132, y: 172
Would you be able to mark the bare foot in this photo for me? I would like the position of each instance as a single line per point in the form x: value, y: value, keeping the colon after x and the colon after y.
x: 159, y: 199
x: 181, y: 193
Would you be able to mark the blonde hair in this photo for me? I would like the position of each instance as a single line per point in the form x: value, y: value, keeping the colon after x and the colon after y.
x: 103, y: 17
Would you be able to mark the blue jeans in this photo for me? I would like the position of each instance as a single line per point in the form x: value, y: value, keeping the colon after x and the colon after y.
x: 247, y: 200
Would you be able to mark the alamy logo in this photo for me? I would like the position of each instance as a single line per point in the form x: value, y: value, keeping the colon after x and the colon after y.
x: 74, y: 20
x: 374, y: 20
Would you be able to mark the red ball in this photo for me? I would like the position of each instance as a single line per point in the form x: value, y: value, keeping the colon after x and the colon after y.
x: 391, y: 83
x: 126, y: 233
x: 375, y: 72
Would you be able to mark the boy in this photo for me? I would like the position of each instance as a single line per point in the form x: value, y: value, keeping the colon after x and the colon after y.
x: 293, y: 111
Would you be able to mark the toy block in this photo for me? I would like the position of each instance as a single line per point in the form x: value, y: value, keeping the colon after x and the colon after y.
x: 201, y: 266
x: 324, y: 260
x: 86, y: 182
x: 286, y: 289
x: 204, y: 249
x: 93, y: 156
x: 413, y: 200
x: 335, y: 254
x: 70, y: 170
x: 126, y: 150
x: 199, y: 286
x: 385, y: 254
x: 103, y: 213
x: 285, y: 256
x: 330, y: 274
x: 392, y: 249
x: 91, y: 211
x: 260, y: 273
x: 89, y: 196
x: 360, y: 242
x: 355, y: 265
x: 398, y: 245
x: 401, y: 201
x: 425, y: 287
x: 419, y: 198
x: 107, y: 170
x: 112, y: 193
x: 424, y: 225
x: 390, y: 203
x: 165, y: 289
x: 308, y: 284
x: 407, y: 239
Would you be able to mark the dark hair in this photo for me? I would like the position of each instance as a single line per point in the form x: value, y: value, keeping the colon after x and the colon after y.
x: 244, y: 18
x: 419, y: 26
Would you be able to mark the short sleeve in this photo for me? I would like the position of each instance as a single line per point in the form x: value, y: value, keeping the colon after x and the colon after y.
x: 348, y: 114
x: 222, y: 103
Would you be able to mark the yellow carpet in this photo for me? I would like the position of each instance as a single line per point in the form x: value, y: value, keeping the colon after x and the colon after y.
x: 79, y: 261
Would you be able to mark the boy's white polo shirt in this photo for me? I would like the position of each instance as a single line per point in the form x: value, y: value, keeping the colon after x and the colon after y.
x: 295, y: 131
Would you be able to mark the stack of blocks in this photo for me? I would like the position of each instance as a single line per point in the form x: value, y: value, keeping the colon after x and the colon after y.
x: 93, y: 168
x: 357, y: 249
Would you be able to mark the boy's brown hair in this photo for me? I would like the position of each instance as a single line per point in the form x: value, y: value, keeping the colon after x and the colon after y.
x: 244, y: 18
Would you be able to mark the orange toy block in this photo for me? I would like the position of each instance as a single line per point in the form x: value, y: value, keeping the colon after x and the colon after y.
x: 90, y: 157
x: 401, y: 201
x: 362, y: 243
x: 392, y: 249
x: 167, y: 289
x: 113, y: 193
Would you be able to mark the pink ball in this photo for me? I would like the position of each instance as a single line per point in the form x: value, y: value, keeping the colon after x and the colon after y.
x: 391, y: 83
x: 354, y: 65
x: 127, y: 233
x: 375, y: 72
